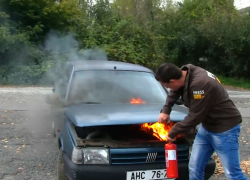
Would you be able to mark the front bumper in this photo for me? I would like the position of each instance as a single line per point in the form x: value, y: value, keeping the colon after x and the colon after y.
x: 118, y: 172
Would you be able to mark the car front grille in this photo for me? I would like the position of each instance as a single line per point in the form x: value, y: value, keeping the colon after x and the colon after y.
x: 121, y: 156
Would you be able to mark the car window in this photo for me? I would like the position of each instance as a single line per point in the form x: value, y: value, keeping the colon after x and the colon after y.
x: 116, y: 87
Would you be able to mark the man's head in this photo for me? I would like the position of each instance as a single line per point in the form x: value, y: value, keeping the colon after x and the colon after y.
x: 170, y: 76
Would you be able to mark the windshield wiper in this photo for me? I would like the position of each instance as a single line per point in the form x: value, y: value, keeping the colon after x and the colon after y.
x: 86, y: 102
x: 90, y: 102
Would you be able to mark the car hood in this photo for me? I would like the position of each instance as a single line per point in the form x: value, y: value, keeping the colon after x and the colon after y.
x: 119, y: 114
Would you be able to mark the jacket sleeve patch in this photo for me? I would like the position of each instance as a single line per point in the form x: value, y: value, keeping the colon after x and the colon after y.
x: 199, y: 94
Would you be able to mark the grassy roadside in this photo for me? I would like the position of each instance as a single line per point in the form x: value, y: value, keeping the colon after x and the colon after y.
x: 233, y: 82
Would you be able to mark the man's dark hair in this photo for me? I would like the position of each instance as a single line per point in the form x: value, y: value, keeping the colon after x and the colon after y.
x: 168, y: 71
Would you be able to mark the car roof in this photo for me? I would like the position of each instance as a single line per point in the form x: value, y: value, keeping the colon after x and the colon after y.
x: 80, y: 65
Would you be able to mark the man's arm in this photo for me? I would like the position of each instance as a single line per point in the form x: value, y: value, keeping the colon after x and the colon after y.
x: 172, y: 97
x: 201, y: 102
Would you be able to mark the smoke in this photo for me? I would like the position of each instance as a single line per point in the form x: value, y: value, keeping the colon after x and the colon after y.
x: 60, y: 49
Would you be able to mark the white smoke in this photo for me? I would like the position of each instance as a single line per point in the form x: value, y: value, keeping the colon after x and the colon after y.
x: 64, y: 49
x: 60, y: 49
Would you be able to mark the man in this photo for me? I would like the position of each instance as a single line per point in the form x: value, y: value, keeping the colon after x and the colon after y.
x: 208, y: 104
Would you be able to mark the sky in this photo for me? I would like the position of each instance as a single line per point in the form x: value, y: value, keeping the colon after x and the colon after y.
x: 239, y: 4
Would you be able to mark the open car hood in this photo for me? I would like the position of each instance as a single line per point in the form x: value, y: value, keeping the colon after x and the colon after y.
x: 83, y: 115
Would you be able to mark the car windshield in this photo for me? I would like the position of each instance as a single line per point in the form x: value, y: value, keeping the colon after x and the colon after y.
x: 116, y: 87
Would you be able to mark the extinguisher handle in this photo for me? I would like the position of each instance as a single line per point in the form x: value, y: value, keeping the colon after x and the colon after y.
x: 169, y: 142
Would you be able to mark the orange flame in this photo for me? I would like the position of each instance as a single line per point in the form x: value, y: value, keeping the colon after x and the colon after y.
x: 159, y: 130
x: 137, y: 101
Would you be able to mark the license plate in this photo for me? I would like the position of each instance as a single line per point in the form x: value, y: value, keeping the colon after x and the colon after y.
x: 147, y: 174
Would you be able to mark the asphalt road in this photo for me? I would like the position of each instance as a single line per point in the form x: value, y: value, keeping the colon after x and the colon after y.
x: 27, y: 149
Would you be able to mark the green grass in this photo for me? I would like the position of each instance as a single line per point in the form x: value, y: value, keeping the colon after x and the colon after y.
x: 234, y: 82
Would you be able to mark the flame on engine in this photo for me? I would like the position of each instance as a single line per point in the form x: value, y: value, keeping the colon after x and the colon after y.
x: 137, y: 101
x: 159, y: 130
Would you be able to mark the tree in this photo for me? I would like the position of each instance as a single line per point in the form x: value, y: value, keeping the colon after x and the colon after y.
x: 38, y: 17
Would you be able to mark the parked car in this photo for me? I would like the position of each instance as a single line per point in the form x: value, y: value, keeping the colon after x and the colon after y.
x: 102, y: 114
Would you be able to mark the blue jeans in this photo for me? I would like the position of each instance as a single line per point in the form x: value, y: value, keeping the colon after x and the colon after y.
x: 224, y: 144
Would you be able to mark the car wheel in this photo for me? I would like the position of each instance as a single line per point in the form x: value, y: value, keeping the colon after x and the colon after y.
x: 60, y: 175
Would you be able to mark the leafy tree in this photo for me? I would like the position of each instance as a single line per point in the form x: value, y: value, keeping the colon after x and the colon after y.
x: 38, y: 17
x: 34, y: 34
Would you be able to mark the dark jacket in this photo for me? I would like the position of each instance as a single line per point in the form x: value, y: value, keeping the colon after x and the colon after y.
x: 208, y: 103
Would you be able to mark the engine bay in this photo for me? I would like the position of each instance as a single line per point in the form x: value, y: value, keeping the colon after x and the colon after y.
x: 120, y: 136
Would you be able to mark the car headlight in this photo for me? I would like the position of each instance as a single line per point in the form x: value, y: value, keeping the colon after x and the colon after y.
x: 95, y: 156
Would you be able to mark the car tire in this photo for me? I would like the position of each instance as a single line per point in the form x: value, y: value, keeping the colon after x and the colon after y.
x: 60, y: 175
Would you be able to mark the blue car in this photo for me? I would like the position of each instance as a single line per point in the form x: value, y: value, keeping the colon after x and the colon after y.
x: 99, y: 109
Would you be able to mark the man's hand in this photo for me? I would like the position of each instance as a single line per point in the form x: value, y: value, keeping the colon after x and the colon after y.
x: 164, y: 118
x: 170, y: 139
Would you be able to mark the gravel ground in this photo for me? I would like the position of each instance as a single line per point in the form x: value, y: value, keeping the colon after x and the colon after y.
x: 27, y: 149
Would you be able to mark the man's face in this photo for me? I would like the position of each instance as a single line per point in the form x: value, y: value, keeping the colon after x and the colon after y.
x: 172, y: 84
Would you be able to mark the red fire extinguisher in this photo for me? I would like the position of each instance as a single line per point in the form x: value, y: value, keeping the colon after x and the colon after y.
x: 171, y: 160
